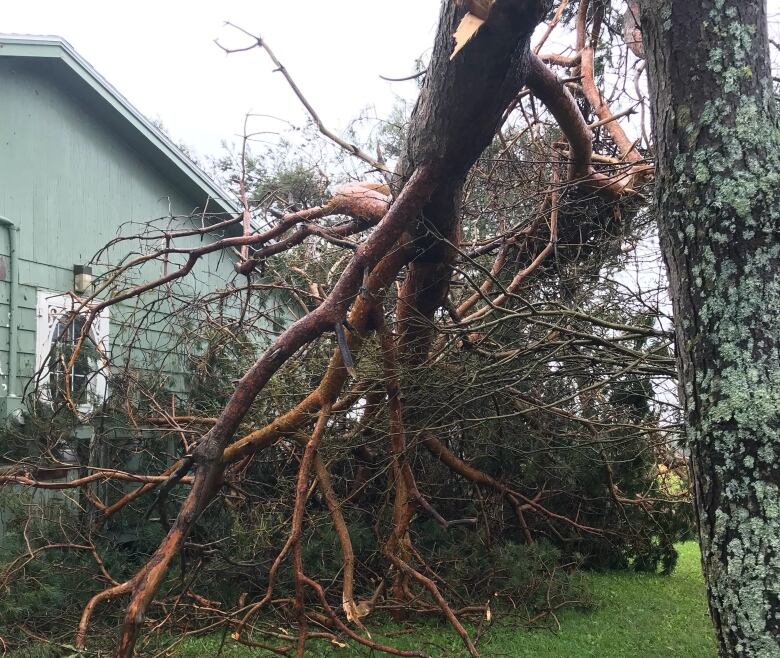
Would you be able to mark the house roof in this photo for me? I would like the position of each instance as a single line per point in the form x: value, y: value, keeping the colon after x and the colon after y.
x: 55, y: 52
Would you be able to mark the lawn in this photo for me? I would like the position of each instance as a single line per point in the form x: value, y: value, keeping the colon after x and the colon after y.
x: 635, y: 616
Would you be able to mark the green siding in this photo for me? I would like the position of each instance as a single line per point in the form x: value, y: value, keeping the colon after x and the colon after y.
x: 77, y: 164
x: 70, y: 180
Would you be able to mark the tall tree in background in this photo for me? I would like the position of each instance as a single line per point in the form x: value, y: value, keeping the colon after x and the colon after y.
x: 718, y: 201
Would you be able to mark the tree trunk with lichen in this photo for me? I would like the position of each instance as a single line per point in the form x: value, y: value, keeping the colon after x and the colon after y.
x: 717, y: 144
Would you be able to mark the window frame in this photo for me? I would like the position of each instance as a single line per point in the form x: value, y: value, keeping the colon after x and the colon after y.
x: 51, y: 305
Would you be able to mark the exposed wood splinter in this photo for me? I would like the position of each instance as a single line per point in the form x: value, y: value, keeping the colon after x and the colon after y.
x: 478, y: 11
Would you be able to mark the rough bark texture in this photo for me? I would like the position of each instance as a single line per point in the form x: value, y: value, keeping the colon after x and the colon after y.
x: 455, y: 118
x: 718, y: 198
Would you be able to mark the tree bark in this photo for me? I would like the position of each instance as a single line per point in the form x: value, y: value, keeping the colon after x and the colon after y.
x: 718, y: 202
x: 455, y: 118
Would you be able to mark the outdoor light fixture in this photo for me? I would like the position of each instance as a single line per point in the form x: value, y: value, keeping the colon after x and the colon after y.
x: 82, y: 278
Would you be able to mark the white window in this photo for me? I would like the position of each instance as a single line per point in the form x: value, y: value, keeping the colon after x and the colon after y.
x: 60, y: 322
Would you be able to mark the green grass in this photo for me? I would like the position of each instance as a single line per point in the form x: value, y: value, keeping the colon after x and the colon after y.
x: 635, y: 616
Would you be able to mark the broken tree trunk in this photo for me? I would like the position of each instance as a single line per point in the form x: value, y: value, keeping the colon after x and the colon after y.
x: 456, y: 117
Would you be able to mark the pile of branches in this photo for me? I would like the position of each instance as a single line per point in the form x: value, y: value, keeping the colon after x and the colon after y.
x: 420, y: 391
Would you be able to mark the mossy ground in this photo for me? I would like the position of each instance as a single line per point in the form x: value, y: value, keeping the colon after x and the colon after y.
x: 635, y: 616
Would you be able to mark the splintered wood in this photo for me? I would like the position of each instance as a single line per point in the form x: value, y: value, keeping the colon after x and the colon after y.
x: 478, y: 11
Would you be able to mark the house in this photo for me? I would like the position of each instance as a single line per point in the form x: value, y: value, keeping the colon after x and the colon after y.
x: 77, y: 162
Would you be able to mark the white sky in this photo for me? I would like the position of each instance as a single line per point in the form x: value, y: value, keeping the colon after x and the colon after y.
x: 161, y: 55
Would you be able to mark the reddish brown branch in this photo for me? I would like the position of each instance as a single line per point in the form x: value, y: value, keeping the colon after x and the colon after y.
x: 209, y: 452
x: 350, y: 633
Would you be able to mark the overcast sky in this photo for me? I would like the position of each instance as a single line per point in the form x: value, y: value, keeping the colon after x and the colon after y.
x: 161, y: 55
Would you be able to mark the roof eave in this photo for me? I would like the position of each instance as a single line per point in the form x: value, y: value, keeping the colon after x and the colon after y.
x: 56, y: 47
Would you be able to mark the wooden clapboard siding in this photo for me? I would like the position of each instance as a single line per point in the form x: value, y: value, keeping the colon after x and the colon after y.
x: 73, y: 172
